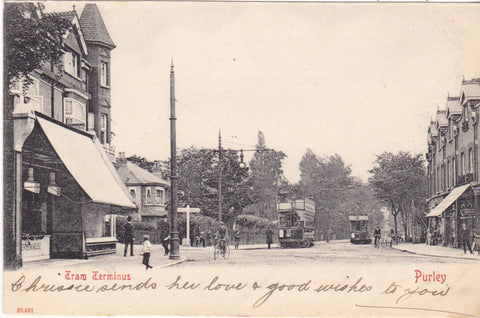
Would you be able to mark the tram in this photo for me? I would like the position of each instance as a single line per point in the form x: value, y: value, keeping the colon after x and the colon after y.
x: 359, y: 229
x: 296, y: 223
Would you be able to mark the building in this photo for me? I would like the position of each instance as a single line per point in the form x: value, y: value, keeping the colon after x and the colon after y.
x: 60, y: 184
x: 453, y: 166
x: 149, y: 190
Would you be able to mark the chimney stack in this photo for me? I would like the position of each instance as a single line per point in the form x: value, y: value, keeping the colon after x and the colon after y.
x: 121, y: 160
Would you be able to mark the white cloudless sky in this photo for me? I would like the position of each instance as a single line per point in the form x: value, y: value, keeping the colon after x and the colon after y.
x: 352, y: 79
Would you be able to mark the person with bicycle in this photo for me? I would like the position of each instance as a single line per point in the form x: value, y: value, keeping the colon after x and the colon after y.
x: 377, y: 234
x: 221, y: 237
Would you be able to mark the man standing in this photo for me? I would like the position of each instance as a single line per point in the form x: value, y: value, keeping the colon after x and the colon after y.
x: 128, y: 235
x: 465, y: 238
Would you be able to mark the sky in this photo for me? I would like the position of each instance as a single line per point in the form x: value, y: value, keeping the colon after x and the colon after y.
x: 353, y: 79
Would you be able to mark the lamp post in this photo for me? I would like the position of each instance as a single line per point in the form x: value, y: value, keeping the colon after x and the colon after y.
x: 174, y: 239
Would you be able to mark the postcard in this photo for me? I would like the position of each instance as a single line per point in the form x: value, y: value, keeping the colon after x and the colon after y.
x: 264, y: 159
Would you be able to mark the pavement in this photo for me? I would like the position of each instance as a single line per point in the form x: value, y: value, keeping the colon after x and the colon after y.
x: 157, y: 259
x: 436, y: 251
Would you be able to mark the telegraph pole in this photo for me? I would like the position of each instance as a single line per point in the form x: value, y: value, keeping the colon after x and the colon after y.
x: 174, y: 239
x: 219, y: 176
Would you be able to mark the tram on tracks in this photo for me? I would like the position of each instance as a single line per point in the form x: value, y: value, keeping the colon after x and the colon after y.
x: 296, y: 223
x: 359, y: 229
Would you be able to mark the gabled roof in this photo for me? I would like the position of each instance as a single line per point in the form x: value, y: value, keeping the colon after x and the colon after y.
x: 441, y: 118
x: 93, y: 27
x: 453, y: 106
x: 432, y: 129
x: 132, y: 174
x: 471, y: 89
x: 76, y: 39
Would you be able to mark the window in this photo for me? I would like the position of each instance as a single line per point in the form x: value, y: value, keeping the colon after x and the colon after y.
x: 74, y: 111
x: 72, y: 63
x: 159, y: 196
x: 470, y: 160
x: 462, y: 163
x: 149, y: 198
x: 132, y: 193
x: 103, y: 128
x: 448, y: 174
x: 104, y: 78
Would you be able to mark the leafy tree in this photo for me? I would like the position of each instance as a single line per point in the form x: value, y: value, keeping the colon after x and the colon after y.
x: 198, y: 182
x: 142, y: 162
x: 327, y: 180
x: 398, y: 179
x: 266, y: 177
x: 31, y: 40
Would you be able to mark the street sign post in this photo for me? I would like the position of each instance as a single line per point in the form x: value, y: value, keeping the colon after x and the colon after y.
x: 188, y: 210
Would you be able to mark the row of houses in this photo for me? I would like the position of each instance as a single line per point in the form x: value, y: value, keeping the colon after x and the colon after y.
x: 453, y: 166
x: 64, y: 188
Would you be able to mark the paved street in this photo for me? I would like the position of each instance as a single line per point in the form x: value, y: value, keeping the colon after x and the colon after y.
x: 321, y: 253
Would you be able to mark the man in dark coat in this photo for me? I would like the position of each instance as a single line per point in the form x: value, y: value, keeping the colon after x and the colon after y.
x: 269, y: 237
x: 465, y: 238
x: 128, y: 235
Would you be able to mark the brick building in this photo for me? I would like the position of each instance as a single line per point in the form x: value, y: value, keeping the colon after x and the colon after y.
x: 148, y: 190
x: 453, y: 166
x: 60, y: 183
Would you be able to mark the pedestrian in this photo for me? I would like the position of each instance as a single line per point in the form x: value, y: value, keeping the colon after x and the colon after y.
x: 165, y: 244
x: 128, y: 236
x: 269, y: 237
x: 236, y: 238
x: 465, y: 238
x: 392, y: 236
x: 202, y: 238
x: 377, y: 233
x: 147, y: 248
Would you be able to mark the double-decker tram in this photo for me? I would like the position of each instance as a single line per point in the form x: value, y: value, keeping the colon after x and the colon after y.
x: 359, y: 229
x: 296, y: 223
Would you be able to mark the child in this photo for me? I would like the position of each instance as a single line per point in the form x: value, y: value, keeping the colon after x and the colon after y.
x: 147, y: 247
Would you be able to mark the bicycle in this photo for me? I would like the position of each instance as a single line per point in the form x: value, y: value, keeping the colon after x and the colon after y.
x: 377, y: 242
x: 221, y: 249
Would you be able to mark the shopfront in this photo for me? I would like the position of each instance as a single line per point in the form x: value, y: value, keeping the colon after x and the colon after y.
x: 445, y: 219
x: 70, y: 193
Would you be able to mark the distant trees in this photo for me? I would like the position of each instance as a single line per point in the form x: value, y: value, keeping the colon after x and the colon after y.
x: 336, y: 193
x: 399, y: 180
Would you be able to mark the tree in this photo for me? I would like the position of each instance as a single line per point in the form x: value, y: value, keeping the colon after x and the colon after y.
x: 198, y: 182
x: 31, y: 40
x: 398, y: 179
x: 266, y: 173
x: 142, y: 162
x: 327, y: 180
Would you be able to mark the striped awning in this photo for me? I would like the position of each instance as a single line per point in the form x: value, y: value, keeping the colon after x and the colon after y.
x: 449, y: 199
